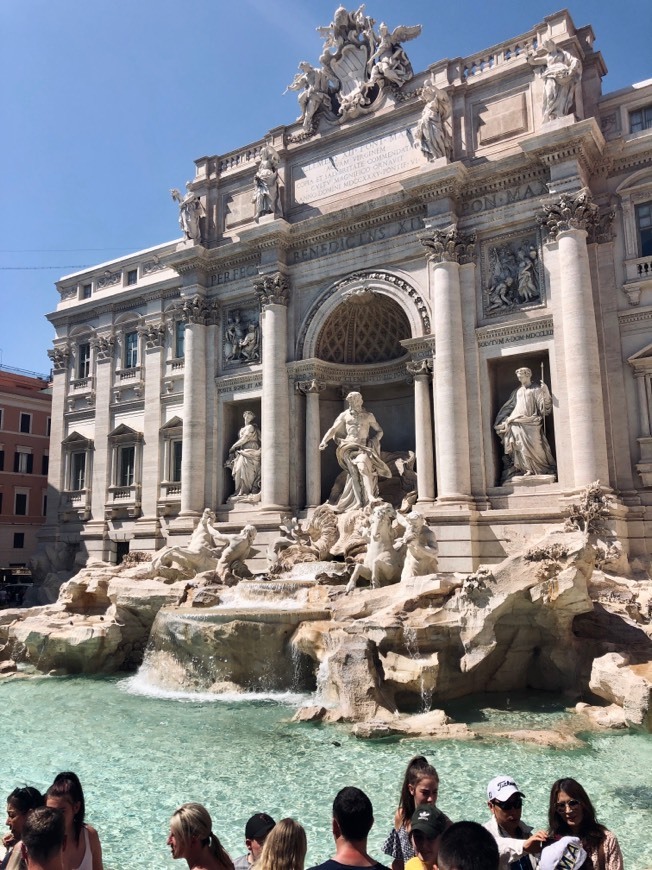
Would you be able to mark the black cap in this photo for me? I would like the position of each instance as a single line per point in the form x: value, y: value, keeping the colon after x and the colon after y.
x: 258, y: 826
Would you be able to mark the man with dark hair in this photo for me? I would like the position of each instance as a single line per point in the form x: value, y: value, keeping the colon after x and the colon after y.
x: 467, y: 846
x: 353, y: 817
x: 44, y: 839
x: 256, y: 831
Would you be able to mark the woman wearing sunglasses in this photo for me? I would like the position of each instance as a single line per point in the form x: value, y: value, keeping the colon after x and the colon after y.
x: 571, y: 813
x: 515, y: 839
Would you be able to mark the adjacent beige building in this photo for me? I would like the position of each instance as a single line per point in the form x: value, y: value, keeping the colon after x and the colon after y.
x: 416, y: 238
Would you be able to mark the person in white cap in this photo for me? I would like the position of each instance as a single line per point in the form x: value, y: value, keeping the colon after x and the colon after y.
x: 517, y: 845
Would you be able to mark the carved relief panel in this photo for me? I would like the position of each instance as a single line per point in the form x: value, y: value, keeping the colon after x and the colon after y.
x: 241, y: 338
x: 512, y: 274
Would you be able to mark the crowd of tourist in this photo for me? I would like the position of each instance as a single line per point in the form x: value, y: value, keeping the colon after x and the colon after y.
x: 48, y: 832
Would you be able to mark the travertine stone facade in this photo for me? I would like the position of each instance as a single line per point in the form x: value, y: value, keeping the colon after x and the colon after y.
x: 422, y: 277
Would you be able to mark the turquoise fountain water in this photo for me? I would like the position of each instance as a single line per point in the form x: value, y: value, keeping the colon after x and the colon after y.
x: 140, y: 754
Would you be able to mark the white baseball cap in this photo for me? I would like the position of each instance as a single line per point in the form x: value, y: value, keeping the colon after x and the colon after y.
x: 502, y: 788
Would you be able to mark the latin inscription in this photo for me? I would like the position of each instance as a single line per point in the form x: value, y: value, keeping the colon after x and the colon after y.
x: 356, y: 167
x: 504, y: 197
x: 367, y: 237
x: 237, y: 274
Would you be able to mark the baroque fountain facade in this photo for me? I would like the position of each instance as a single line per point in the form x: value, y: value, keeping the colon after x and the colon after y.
x: 336, y: 432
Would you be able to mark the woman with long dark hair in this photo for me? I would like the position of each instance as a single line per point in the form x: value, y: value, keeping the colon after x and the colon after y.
x: 19, y: 804
x: 571, y: 814
x: 83, y: 850
x: 420, y: 786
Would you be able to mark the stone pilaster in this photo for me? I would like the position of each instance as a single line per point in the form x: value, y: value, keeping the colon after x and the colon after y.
x: 420, y: 371
x: 567, y: 221
x: 195, y: 312
x: 273, y: 292
x: 153, y: 337
x: 447, y: 251
x: 311, y: 390
x: 59, y: 356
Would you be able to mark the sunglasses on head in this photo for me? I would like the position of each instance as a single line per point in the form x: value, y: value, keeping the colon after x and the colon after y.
x: 514, y: 803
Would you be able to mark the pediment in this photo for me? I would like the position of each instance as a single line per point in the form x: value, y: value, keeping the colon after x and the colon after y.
x: 174, y: 423
x: 642, y: 359
x: 76, y: 440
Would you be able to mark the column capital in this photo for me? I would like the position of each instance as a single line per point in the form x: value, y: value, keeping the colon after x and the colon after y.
x: 195, y: 309
x: 419, y: 368
x: 59, y: 356
x: 153, y: 334
x: 569, y: 211
x: 306, y: 387
x: 601, y: 230
x: 272, y: 289
x: 449, y: 245
x: 103, y: 346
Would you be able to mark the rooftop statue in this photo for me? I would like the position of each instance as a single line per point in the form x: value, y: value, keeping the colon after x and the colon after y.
x: 389, y: 62
x: 519, y: 425
x: 191, y: 209
x: 433, y: 131
x: 561, y: 74
x: 266, y: 196
x: 358, y: 453
x: 315, y: 93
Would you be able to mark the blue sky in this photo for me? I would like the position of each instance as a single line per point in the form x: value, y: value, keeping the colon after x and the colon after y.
x: 106, y: 103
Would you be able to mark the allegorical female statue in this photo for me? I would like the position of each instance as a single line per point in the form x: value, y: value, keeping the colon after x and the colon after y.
x: 519, y: 425
x: 244, y: 458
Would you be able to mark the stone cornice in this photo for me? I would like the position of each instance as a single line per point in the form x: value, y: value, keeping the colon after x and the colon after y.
x: 420, y: 348
x: 335, y: 374
x: 641, y: 315
x: 88, y: 313
x: 333, y: 228
x: 437, y: 182
x: 509, y: 177
x: 508, y: 333
x: 582, y: 141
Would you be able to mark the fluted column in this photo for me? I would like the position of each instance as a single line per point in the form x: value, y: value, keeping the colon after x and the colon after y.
x: 311, y: 390
x: 567, y: 221
x: 420, y: 371
x: 104, y: 348
x: 194, y: 311
x: 447, y: 250
x: 273, y: 292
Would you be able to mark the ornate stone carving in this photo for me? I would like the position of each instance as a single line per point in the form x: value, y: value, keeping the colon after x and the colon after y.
x: 266, y: 198
x: 570, y: 211
x: 151, y: 266
x: 356, y: 66
x: 195, y: 309
x: 512, y: 276
x: 68, y: 293
x: 272, y: 289
x: 191, y: 209
x: 103, y: 346
x: 601, y: 230
x: 519, y: 425
x: 419, y: 367
x: 419, y: 544
x: 450, y: 246
x: 433, y: 133
x: 306, y: 387
x: 244, y: 461
x: 59, y: 356
x: 109, y: 279
x: 154, y: 334
x: 561, y: 75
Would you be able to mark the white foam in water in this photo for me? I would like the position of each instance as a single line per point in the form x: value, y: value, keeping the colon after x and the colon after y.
x: 140, y: 684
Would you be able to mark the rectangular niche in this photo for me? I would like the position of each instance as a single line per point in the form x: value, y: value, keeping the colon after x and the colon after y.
x: 512, y: 274
x: 504, y: 381
x: 498, y: 119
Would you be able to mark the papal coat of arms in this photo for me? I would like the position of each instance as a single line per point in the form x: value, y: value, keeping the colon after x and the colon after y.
x: 358, y: 66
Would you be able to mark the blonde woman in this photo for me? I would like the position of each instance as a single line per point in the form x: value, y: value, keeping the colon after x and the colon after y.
x: 191, y: 837
x: 285, y: 847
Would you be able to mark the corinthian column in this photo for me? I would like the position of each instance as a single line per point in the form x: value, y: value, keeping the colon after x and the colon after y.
x: 447, y: 250
x: 195, y: 312
x: 311, y: 390
x: 420, y: 371
x: 567, y: 221
x: 273, y: 292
